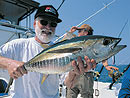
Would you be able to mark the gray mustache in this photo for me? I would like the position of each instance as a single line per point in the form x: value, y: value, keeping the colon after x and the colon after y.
x: 45, y: 31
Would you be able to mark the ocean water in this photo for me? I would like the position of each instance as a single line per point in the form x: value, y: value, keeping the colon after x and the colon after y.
x: 104, y: 76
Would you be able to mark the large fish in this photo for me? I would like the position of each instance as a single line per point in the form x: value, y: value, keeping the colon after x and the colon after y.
x: 57, y: 58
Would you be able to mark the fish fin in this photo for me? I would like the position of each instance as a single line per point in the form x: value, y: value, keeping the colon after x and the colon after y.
x: 44, y: 78
x: 66, y: 50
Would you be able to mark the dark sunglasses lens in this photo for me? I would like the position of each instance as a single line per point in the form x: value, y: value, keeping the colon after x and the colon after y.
x: 43, y: 22
x: 85, y: 30
x: 79, y: 31
x: 53, y: 24
x: 89, y: 33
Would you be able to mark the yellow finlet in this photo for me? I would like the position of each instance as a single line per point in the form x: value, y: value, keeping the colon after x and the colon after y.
x: 44, y: 78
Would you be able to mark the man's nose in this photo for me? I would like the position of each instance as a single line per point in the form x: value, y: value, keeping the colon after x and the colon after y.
x: 86, y: 33
x: 47, y: 26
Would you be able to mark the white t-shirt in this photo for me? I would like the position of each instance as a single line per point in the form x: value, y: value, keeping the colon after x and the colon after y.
x: 29, y: 85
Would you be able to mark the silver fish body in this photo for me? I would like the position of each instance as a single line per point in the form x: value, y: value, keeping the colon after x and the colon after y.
x: 57, y: 58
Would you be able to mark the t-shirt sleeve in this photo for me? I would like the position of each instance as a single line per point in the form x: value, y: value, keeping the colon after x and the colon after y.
x: 68, y: 35
x: 6, y: 50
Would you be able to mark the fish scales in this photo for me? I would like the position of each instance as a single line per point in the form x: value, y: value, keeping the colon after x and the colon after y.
x: 49, y: 64
x: 57, y: 58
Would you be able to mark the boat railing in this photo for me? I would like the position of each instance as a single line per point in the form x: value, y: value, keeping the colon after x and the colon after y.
x: 7, y: 24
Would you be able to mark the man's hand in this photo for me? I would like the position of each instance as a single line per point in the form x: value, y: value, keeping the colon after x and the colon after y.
x: 78, y: 69
x: 109, y: 68
x: 73, y: 29
x: 16, y: 69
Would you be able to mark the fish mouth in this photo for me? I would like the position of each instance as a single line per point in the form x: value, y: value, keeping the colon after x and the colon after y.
x: 117, y: 40
x: 118, y: 48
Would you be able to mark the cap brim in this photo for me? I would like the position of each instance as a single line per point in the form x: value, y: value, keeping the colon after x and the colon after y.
x: 80, y: 28
x: 51, y: 17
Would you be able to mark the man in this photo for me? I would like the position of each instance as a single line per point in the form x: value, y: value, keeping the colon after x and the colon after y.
x: 125, y: 88
x: 14, y: 53
x: 84, y: 84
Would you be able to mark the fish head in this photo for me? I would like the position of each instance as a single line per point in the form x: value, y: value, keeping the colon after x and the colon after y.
x: 104, y: 47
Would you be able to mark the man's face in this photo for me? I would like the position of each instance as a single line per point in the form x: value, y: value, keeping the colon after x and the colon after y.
x: 45, y: 29
x: 82, y: 32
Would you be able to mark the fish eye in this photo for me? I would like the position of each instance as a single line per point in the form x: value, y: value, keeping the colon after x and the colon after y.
x: 106, y: 42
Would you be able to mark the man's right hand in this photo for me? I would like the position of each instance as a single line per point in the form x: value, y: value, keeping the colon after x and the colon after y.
x: 16, y: 69
x: 73, y: 29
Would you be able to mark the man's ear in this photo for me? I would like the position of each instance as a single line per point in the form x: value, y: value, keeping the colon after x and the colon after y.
x: 34, y: 24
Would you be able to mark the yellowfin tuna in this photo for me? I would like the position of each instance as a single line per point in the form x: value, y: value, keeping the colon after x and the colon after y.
x: 57, y: 58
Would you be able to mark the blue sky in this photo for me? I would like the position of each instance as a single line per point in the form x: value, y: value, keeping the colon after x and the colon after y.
x: 109, y: 21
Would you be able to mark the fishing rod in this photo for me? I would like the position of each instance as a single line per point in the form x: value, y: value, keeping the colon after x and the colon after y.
x: 88, y: 18
x: 115, y: 77
x: 8, y: 86
x: 123, y: 28
x: 60, y: 5
x: 118, y: 74
x: 98, y: 76
x: 113, y: 57
x: 96, y: 12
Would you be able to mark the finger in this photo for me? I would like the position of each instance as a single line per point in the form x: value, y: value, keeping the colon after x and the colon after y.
x: 15, y: 72
x: 88, y: 64
x: 73, y: 29
x: 115, y: 68
x: 13, y: 75
x: 75, y: 67
x: 81, y: 65
x: 23, y: 70
x: 93, y: 63
x: 19, y: 72
x: 112, y: 67
x: 71, y: 75
x: 69, y: 79
x: 108, y: 68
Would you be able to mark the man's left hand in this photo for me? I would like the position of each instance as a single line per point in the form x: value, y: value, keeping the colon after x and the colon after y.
x: 78, y: 69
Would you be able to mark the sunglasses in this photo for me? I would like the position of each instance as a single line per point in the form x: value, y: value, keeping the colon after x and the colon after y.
x: 85, y: 30
x: 44, y: 23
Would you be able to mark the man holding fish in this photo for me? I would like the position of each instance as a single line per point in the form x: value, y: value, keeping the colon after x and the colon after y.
x: 15, y: 53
